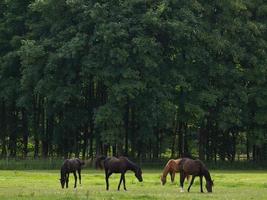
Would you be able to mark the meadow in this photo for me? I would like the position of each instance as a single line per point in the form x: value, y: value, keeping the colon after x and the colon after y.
x: 44, y: 185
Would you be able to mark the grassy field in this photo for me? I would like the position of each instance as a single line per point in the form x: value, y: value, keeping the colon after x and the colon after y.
x: 45, y: 185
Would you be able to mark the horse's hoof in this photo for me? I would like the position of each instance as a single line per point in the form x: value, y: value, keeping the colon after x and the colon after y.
x: 181, y: 190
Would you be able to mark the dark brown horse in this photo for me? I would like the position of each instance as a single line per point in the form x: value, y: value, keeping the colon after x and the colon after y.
x: 118, y: 165
x: 195, y: 168
x: 70, y: 166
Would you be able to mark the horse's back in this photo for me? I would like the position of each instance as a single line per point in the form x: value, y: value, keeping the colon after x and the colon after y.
x: 191, y: 167
x: 72, y: 165
x: 111, y: 162
x: 116, y: 165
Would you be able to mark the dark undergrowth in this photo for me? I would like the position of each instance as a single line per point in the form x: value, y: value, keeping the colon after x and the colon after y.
x: 55, y: 163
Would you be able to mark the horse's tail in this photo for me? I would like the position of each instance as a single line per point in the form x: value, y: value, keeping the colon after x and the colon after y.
x: 99, y: 163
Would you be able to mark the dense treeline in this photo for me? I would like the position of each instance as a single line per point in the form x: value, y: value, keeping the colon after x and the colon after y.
x: 144, y: 78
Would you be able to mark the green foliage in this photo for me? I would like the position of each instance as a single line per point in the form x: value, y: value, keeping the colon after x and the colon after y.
x: 147, y: 76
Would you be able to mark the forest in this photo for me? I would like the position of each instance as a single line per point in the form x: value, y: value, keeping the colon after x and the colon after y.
x: 148, y: 79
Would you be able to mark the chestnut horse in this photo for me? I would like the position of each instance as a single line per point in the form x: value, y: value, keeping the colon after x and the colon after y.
x: 118, y: 165
x: 171, y: 167
x: 70, y: 166
x: 195, y: 168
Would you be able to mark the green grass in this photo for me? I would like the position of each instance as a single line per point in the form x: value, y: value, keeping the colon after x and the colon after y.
x: 44, y: 185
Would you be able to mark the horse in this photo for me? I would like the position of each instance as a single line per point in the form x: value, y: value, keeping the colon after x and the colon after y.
x: 70, y: 166
x: 118, y: 165
x: 195, y: 168
x: 171, y: 167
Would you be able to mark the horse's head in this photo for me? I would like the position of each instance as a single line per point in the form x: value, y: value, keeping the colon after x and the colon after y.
x: 138, y: 174
x: 163, y: 180
x: 62, y: 177
x: 209, y: 185
x: 62, y: 182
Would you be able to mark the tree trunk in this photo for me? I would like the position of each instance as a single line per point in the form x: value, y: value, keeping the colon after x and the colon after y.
x: 133, y: 132
x: 43, y: 129
x: 186, y: 149
x: 156, y: 144
x: 3, y: 130
x: 13, y: 130
x: 25, y: 133
x: 36, y: 127
x: 126, y: 127
x: 85, y: 141
x: 234, y: 146
x: 201, y: 144
x: 247, y: 147
x: 91, y: 150
x: 174, y: 137
x: 91, y: 138
x: 181, y: 139
x: 114, y: 150
x: 254, y: 153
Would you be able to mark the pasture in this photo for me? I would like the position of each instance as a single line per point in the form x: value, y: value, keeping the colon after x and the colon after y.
x: 44, y: 185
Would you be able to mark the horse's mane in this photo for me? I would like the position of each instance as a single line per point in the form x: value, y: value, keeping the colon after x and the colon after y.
x: 166, y: 168
x: 131, y: 163
x: 201, y: 163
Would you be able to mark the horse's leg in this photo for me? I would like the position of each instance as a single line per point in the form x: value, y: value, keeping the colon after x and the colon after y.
x: 75, y: 177
x: 182, y: 177
x: 201, y: 188
x: 191, y: 183
x: 80, y: 178
x: 67, y: 180
x: 108, y: 174
x: 124, y: 183
x: 172, y: 176
x: 120, y: 181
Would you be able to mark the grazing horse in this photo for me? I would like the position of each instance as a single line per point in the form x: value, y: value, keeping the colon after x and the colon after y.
x: 171, y: 167
x: 195, y: 168
x: 70, y: 166
x: 118, y: 165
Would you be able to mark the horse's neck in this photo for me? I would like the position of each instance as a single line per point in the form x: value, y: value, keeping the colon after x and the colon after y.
x: 63, y: 172
x: 206, y: 175
x: 166, y: 169
x: 131, y: 166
